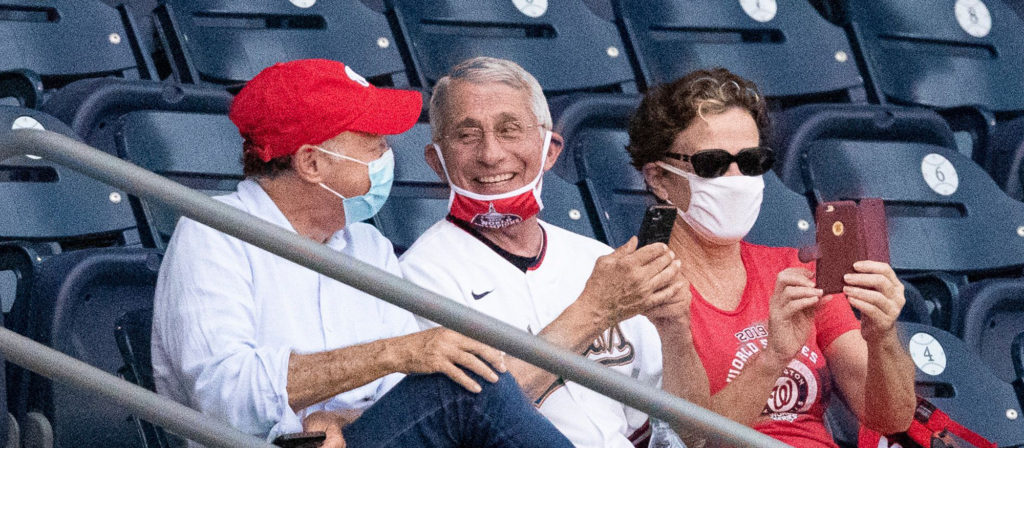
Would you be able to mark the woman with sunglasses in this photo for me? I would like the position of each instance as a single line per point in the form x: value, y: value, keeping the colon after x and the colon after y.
x: 773, y: 346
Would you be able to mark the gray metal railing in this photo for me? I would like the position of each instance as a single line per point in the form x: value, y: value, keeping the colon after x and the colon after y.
x: 369, y: 279
x: 142, y: 402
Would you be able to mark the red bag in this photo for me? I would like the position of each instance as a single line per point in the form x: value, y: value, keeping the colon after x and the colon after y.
x: 931, y: 428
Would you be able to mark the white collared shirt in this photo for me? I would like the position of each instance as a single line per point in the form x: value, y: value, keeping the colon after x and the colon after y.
x: 448, y: 260
x: 227, y: 315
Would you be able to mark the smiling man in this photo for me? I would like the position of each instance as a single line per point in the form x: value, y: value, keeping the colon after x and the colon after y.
x: 492, y: 143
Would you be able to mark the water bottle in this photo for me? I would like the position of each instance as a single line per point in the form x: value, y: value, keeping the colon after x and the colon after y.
x: 662, y: 435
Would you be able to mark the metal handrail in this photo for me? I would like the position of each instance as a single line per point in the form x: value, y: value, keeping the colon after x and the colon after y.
x: 378, y: 283
x: 140, y: 401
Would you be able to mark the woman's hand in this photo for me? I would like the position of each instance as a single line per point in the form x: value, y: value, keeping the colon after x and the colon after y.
x: 791, y: 313
x: 877, y: 293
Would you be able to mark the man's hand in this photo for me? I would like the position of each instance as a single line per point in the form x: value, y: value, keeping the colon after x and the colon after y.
x: 331, y: 423
x: 791, y: 313
x: 440, y: 350
x: 631, y: 281
x: 878, y: 294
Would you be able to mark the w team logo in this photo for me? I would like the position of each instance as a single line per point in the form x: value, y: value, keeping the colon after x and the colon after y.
x: 796, y: 391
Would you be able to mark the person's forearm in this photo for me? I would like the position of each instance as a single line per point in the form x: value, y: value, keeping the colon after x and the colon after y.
x: 313, y: 378
x: 683, y: 372
x: 889, y: 398
x: 574, y: 330
x: 743, y: 400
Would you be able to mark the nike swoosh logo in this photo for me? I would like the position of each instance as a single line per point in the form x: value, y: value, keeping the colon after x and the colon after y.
x: 478, y: 296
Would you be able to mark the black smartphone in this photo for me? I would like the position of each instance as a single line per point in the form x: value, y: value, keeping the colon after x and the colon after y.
x: 657, y: 225
x: 301, y: 440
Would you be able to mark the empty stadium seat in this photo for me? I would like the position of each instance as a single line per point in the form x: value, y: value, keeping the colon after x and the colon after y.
x: 229, y: 42
x: 991, y: 316
x: 21, y: 87
x: 564, y: 44
x: 76, y: 300
x: 179, y: 131
x: 64, y: 40
x: 950, y: 376
x: 419, y: 199
x: 595, y: 159
x: 785, y: 47
x: 965, y: 59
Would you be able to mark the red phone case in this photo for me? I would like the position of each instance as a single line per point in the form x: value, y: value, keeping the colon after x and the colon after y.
x: 849, y: 232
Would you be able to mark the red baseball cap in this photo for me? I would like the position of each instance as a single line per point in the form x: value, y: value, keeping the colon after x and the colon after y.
x: 312, y: 100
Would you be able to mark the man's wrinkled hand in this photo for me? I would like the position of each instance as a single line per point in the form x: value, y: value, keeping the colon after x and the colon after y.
x: 632, y: 281
x: 441, y: 350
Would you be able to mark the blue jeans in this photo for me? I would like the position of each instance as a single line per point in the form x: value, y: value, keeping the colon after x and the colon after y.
x: 433, y: 411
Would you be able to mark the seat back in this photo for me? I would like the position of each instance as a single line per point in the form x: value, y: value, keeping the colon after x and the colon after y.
x: 64, y: 40
x: 991, y: 317
x: 132, y: 334
x: 564, y: 44
x: 949, y: 375
x: 595, y: 130
x: 77, y: 299
x: 179, y: 131
x: 785, y: 47
x: 45, y: 202
x: 419, y: 198
x: 230, y: 41
x: 942, y: 54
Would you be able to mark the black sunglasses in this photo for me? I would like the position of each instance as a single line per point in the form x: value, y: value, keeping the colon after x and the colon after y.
x: 712, y: 163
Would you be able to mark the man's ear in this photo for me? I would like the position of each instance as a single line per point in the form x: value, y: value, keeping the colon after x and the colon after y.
x: 305, y: 162
x: 655, y: 178
x: 434, y: 161
x: 554, y: 150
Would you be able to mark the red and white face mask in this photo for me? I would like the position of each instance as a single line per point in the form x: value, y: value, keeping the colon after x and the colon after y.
x: 496, y: 211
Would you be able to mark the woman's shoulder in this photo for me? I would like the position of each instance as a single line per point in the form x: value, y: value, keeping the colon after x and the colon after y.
x: 776, y: 258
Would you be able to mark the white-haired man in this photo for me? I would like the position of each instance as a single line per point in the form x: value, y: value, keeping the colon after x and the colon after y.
x: 492, y: 143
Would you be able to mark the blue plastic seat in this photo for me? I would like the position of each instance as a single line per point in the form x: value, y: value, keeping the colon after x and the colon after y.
x: 65, y: 40
x: 991, y: 316
x: 132, y: 332
x: 595, y: 159
x: 950, y: 376
x: 564, y: 44
x: 179, y: 131
x: 790, y: 53
x: 967, y: 64
x: 419, y: 198
x: 230, y: 41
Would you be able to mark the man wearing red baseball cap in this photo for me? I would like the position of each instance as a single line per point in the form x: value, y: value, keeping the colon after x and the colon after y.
x: 275, y: 348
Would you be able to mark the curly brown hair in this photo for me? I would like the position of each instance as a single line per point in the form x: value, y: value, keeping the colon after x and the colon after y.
x: 668, y: 109
x: 254, y: 167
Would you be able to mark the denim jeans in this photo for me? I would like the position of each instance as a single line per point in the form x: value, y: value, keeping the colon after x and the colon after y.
x: 433, y: 411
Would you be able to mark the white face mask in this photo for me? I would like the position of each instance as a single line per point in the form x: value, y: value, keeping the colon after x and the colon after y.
x: 723, y: 209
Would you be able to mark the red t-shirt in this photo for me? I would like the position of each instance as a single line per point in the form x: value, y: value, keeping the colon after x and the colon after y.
x: 725, y: 340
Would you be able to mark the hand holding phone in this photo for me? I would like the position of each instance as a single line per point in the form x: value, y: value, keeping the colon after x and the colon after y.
x: 657, y: 225
x: 849, y: 232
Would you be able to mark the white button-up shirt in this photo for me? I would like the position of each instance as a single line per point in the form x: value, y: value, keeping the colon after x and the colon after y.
x: 227, y: 315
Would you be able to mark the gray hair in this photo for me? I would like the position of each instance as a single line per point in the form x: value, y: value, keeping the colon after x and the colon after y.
x: 482, y: 70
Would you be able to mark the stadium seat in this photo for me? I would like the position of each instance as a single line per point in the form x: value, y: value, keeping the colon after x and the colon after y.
x: 65, y: 40
x: 419, y: 199
x: 948, y: 221
x: 132, y: 333
x: 964, y: 59
x: 788, y: 50
x: 991, y: 316
x: 76, y: 300
x: 227, y: 42
x: 950, y: 376
x: 595, y: 158
x: 176, y: 130
x: 5, y: 438
x: 564, y: 44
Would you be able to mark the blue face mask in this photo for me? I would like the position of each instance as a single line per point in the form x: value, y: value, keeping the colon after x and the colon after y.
x: 382, y: 174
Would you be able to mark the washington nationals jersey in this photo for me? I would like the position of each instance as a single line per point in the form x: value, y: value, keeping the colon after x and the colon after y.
x: 452, y: 262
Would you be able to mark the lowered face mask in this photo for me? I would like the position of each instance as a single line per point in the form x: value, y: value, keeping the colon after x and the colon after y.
x: 723, y: 209
x: 382, y: 174
x: 496, y: 211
